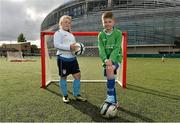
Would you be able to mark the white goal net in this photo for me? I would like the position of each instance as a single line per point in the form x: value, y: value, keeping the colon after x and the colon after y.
x: 14, y: 56
x: 90, y: 63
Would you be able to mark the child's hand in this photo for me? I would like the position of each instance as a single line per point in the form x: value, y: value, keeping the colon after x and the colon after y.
x: 73, y: 47
x: 108, y: 62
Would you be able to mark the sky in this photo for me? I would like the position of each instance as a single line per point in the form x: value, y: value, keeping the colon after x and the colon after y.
x: 24, y: 16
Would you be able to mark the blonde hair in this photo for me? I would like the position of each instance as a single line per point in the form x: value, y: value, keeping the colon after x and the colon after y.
x: 108, y: 15
x: 62, y: 18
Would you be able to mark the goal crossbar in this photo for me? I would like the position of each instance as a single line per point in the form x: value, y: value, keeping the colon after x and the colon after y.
x: 44, y: 82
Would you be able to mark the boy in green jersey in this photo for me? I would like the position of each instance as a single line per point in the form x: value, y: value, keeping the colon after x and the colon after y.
x: 110, y: 51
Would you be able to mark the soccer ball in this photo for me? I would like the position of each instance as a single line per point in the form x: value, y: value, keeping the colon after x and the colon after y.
x: 108, y: 110
x: 80, y: 49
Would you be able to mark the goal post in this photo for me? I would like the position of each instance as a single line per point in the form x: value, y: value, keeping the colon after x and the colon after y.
x: 46, y: 66
x: 14, y: 56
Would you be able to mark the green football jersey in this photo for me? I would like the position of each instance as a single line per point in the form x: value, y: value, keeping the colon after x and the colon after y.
x: 109, y: 46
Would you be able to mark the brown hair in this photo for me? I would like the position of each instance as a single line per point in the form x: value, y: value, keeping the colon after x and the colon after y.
x: 107, y: 15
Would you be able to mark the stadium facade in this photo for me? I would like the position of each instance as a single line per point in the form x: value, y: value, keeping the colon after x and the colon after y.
x: 153, y: 26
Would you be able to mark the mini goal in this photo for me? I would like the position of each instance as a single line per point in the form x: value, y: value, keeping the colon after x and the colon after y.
x: 14, y: 56
x: 49, y: 66
x: 17, y: 56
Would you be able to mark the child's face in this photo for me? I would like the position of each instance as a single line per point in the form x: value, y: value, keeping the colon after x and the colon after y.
x: 108, y: 23
x: 66, y: 24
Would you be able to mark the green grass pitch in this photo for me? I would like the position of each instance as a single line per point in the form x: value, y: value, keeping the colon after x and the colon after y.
x: 152, y: 93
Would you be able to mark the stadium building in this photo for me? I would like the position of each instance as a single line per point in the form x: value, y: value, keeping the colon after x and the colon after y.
x: 153, y: 26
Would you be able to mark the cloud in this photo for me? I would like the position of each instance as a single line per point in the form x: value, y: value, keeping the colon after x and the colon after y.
x: 16, y: 0
x: 24, y: 16
x: 34, y: 15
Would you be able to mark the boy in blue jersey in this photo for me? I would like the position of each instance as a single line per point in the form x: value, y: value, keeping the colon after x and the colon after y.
x: 64, y: 41
x: 109, y: 45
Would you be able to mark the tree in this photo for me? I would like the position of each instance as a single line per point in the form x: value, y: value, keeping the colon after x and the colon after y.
x: 3, y: 46
x: 34, y: 48
x: 21, y: 38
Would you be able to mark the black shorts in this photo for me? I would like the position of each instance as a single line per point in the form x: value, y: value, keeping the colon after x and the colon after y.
x: 67, y: 67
